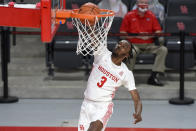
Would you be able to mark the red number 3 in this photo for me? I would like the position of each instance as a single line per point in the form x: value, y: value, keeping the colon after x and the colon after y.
x: 101, y: 83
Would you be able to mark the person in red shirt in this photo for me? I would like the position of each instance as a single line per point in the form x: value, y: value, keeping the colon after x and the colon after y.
x: 142, y: 20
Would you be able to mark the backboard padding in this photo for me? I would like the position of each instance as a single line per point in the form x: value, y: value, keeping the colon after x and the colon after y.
x: 48, y: 23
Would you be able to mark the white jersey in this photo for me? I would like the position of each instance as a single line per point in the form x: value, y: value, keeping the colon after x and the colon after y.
x: 106, y: 77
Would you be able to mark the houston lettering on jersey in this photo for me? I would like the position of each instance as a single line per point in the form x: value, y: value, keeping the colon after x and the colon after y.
x: 108, y: 74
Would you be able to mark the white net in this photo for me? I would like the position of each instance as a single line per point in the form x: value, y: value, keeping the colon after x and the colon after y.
x: 92, y: 37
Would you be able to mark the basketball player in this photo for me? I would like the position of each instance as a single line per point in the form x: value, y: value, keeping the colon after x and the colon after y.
x: 108, y: 73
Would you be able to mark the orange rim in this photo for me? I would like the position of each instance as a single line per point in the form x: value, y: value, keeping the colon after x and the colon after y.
x: 60, y: 14
x: 63, y: 14
x: 88, y: 16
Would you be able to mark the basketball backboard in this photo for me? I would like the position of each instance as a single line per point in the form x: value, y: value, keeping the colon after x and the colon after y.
x: 40, y: 15
x: 48, y: 21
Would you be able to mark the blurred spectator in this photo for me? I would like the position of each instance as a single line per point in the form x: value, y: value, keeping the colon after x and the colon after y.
x: 141, y: 20
x: 116, y: 5
x: 4, y: 1
x: 157, y: 8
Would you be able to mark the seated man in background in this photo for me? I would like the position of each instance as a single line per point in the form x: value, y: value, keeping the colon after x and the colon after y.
x: 141, y: 20
x: 157, y: 8
x: 117, y: 6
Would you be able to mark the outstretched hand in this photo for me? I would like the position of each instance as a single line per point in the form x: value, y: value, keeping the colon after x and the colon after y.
x: 137, y: 118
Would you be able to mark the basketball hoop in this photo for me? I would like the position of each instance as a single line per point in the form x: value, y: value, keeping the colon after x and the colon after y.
x: 92, y: 29
x: 92, y: 37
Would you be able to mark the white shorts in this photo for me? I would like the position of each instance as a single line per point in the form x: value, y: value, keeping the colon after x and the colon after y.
x: 92, y: 111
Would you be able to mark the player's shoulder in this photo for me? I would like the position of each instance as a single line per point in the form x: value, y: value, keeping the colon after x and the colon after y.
x: 102, y: 52
x: 101, y: 55
x: 108, y: 52
x: 125, y: 68
x: 128, y: 73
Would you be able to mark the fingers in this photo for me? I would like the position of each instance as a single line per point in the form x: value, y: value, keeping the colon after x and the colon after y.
x: 137, y: 118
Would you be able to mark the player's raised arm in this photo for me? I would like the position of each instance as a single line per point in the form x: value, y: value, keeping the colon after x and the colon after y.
x: 138, y: 106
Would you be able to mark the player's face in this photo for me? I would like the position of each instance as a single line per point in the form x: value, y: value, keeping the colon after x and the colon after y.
x: 122, y: 49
